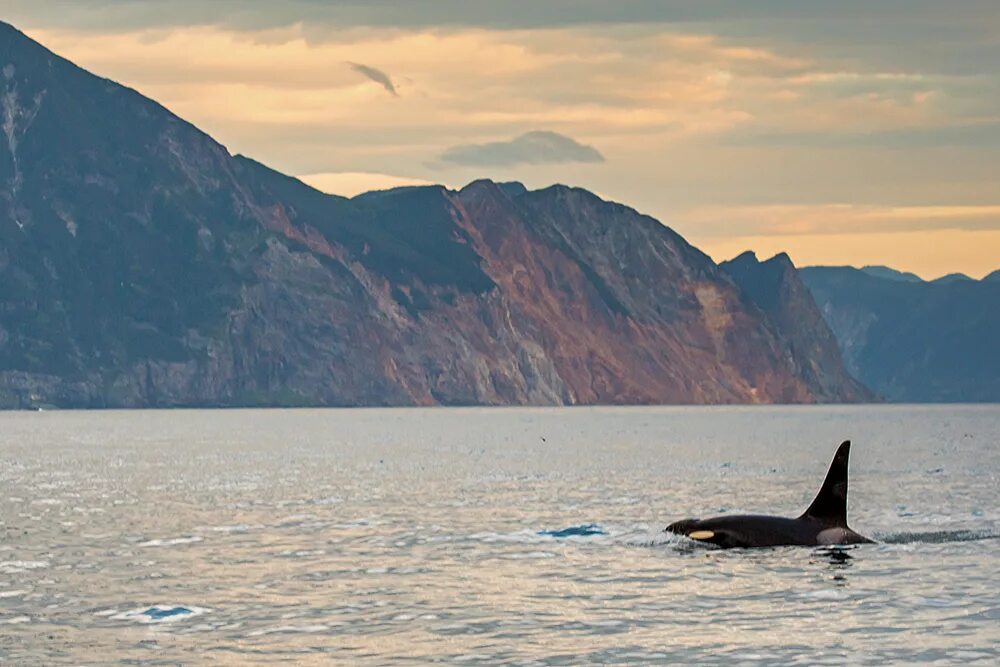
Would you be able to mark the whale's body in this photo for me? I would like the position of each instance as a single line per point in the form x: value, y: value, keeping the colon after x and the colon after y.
x: 824, y: 523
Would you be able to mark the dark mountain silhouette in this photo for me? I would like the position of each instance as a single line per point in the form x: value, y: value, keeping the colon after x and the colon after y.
x: 929, y: 341
x: 143, y: 265
x: 952, y: 278
x: 892, y: 274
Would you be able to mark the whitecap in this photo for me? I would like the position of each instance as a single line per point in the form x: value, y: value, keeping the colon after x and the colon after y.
x: 13, y: 594
x: 302, y: 553
x: 237, y: 528
x: 15, y: 566
x: 15, y: 620
x: 651, y: 539
x: 170, y: 542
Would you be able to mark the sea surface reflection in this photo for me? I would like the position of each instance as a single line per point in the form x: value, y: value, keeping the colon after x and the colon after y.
x: 491, y: 536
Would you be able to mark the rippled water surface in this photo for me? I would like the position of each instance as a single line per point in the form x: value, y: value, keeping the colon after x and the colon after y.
x: 491, y: 536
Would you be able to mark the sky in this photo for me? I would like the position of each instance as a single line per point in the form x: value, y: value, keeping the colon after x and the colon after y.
x: 840, y: 132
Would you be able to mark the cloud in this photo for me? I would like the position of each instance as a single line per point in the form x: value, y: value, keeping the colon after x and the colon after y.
x: 490, y: 14
x: 821, y: 219
x: 972, y: 135
x: 376, y: 75
x: 539, y: 147
x: 754, y: 124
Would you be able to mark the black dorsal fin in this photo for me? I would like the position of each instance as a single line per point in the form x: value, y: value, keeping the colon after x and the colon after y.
x: 830, y: 505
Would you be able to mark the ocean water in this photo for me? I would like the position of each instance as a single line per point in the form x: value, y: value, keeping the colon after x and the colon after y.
x: 515, y: 536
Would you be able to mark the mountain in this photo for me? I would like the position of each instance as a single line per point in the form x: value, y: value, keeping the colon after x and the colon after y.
x: 992, y: 277
x: 952, y: 278
x: 143, y: 265
x: 914, y: 342
x: 774, y: 286
x: 892, y: 274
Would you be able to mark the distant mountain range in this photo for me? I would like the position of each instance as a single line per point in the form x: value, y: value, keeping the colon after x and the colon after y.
x: 913, y: 340
x: 142, y: 265
x: 892, y: 274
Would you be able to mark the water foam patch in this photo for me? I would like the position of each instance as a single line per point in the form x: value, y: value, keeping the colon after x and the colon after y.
x: 15, y: 620
x: 13, y: 594
x: 170, y: 542
x: 17, y: 566
x: 937, y: 536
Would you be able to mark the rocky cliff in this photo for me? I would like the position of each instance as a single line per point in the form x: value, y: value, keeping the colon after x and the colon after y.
x: 143, y: 265
x: 776, y: 288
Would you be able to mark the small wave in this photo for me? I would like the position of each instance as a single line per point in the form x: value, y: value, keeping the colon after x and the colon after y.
x: 474, y: 657
x: 301, y: 553
x: 826, y: 595
x: 520, y: 536
x: 660, y: 538
x: 15, y: 620
x: 584, y: 530
x: 289, y: 629
x: 236, y: 528
x: 529, y: 555
x: 171, y: 542
x: 937, y: 536
x: 18, y: 566
x: 13, y: 594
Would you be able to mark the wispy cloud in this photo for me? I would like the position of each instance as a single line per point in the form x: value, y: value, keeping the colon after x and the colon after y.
x: 537, y: 147
x: 376, y: 75
x: 799, y: 219
x: 753, y: 115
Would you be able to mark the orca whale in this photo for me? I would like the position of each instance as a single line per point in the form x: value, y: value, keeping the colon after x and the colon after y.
x: 823, y: 524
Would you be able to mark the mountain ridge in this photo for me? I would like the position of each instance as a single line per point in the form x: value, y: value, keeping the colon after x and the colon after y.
x: 143, y: 265
x: 915, y: 342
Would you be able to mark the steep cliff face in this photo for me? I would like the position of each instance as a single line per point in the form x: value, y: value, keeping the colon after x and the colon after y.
x: 627, y: 311
x: 143, y: 265
x: 914, y: 341
x: 775, y: 287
